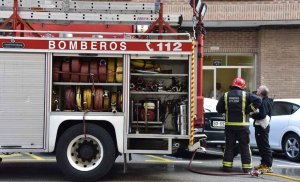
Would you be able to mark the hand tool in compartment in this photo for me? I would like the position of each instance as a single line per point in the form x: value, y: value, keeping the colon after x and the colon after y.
x: 151, y: 86
x: 176, y: 86
x: 132, y: 86
x: 111, y: 70
x: 136, y: 111
x: 94, y: 71
x: 55, y: 101
x: 78, y: 98
x: 84, y: 71
x: 113, y: 102
x: 140, y: 84
x: 102, y: 70
x: 120, y: 101
x: 160, y: 86
x: 56, y: 70
x: 87, y: 99
x: 69, y: 99
x: 98, y: 99
x: 66, y: 71
x: 119, y: 70
x: 75, y: 69
x: 106, y: 100
x: 56, y: 104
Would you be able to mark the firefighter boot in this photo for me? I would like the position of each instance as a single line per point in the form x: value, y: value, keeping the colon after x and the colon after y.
x: 264, y: 168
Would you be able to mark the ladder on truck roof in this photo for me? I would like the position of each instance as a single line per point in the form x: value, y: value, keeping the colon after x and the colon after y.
x: 87, y: 11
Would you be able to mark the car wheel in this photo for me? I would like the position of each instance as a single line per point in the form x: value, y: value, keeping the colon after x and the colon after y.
x: 291, y: 147
x: 85, y: 158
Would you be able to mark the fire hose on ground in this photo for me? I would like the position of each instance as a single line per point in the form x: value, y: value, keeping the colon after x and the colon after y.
x: 253, y: 173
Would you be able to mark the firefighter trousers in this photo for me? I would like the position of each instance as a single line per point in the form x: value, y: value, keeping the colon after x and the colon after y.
x: 262, y: 141
x: 242, y: 136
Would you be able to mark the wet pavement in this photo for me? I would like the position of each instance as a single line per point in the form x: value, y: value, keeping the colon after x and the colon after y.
x: 43, y: 167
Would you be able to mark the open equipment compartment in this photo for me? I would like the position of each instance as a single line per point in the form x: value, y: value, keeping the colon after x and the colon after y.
x: 87, y: 83
x: 159, y: 100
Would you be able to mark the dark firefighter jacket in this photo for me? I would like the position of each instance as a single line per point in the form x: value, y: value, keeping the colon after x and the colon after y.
x: 237, y: 104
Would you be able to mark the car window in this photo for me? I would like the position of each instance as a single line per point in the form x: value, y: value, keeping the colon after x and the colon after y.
x: 282, y: 108
x: 295, y: 108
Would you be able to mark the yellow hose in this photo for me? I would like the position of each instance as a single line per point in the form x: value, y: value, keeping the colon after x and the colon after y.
x: 87, y: 98
x: 106, y: 100
x: 78, y: 98
x: 282, y: 176
x: 111, y: 70
x: 119, y: 71
x: 192, y: 96
x: 145, y: 64
x: 113, y: 101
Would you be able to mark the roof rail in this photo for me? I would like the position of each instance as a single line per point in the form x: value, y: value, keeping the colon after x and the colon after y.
x: 62, y: 34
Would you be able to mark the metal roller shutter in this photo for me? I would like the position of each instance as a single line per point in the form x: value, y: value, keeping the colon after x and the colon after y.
x: 22, y: 100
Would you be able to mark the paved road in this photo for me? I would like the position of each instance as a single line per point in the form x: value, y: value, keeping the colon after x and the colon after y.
x: 42, y: 167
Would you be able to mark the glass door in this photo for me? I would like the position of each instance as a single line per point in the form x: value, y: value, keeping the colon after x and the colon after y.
x: 224, y: 77
x: 248, y: 75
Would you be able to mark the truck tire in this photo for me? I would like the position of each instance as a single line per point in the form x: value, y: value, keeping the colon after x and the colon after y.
x: 291, y: 147
x: 85, y: 159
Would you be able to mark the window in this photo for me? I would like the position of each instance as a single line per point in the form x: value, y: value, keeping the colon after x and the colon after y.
x: 295, y: 108
x: 282, y: 108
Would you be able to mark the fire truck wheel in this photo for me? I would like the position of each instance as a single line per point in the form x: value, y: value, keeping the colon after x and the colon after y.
x: 85, y: 159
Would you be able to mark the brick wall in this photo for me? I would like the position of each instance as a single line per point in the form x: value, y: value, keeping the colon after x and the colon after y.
x: 234, y: 9
x: 231, y: 41
x: 280, y: 60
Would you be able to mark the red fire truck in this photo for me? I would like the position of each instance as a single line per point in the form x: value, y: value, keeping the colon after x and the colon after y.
x: 92, y: 96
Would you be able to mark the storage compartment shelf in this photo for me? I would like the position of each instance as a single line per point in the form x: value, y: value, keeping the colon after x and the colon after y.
x: 87, y: 84
x: 159, y: 93
x: 159, y: 75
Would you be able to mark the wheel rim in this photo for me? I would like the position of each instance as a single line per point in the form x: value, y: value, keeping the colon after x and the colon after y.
x: 292, y: 147
x: 85, y: 154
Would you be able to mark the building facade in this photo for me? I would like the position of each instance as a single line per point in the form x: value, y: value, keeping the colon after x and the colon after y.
x: 258, y: 40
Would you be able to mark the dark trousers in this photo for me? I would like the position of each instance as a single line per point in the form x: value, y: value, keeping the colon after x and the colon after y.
x: 262, y: 141
x: 242, y: 136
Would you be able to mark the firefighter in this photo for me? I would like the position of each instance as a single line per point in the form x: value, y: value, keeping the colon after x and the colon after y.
x: 237, y: 104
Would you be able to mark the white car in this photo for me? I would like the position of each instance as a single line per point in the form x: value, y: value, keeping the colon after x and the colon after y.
x: 284, y: 128
x: 210, y: 105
